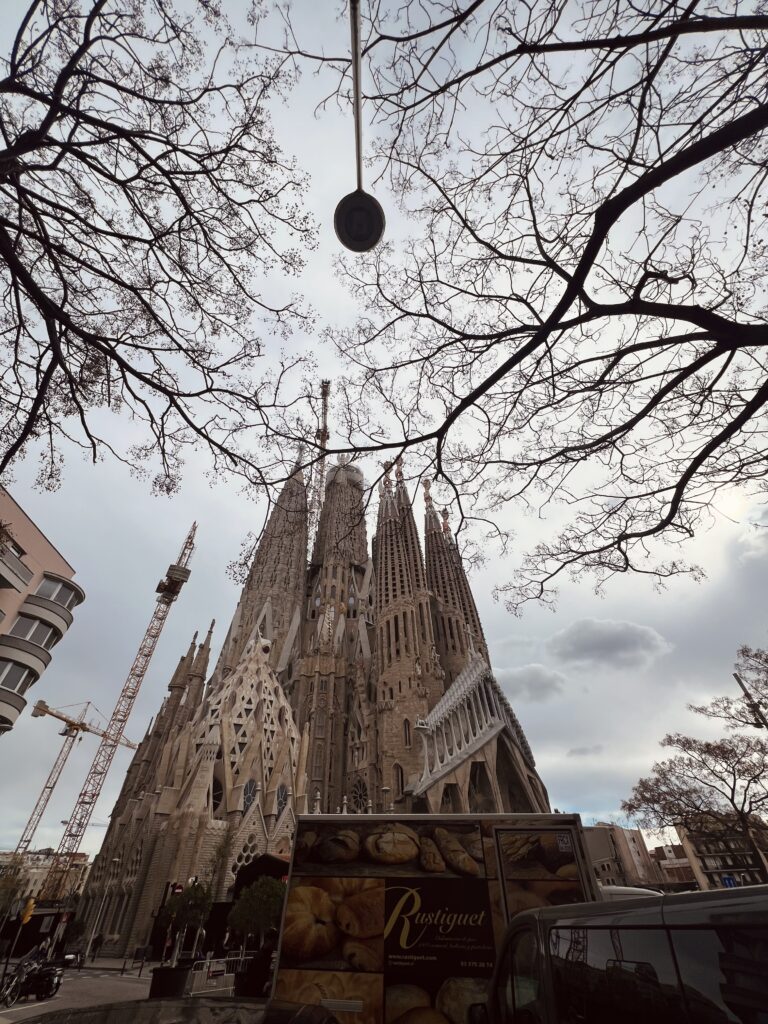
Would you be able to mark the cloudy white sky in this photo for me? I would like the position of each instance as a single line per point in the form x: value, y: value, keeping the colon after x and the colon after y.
x: 596, y: 684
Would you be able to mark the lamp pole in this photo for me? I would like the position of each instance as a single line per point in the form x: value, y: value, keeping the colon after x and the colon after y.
x: 755, y: 706
x: 107, y: 881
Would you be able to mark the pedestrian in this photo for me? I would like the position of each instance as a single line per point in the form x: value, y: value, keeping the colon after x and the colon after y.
x: 96, y: 945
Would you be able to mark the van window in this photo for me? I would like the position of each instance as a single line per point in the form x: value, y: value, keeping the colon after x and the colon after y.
x: 524, y: 976
x: 517, y: 984
x: 601, y: 975
x: 724, y: 973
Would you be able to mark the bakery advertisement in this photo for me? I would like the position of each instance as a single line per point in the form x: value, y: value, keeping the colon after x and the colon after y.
x: 334, y: 924
x: 537, y: 869
x: 353, y: 998
x: 390, y: 848
x: 436, y: 930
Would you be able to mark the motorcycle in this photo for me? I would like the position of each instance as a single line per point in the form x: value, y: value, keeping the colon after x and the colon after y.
x: 32, y: 976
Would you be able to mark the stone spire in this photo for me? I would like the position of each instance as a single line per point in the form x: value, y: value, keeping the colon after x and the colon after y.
x: 274, y: 589
x: 338, y: 580
x: 409, y: 681
x: 447, y: 611
x: 197, y: 673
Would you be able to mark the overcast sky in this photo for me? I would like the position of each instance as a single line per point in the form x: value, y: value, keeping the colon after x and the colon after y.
x: 595, y: 684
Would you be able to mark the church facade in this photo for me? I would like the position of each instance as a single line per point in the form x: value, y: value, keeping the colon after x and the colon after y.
x: 356, y: 681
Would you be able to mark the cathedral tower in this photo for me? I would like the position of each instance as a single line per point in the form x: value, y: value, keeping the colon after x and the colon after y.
x: 336, y: 613
x: 456, y: 623
x: 409, y: 679
x: 273, y: 593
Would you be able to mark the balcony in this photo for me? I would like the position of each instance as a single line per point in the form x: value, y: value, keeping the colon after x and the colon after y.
x: 13, y: 572
x: 11, y: 706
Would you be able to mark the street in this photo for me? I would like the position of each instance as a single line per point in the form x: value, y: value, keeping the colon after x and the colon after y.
x: 88, y: 987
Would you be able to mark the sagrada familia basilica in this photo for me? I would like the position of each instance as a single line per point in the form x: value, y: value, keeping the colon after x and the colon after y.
x: 358, y: 681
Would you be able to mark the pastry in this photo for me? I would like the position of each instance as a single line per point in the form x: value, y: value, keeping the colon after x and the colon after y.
x: 473, y: 844
x: 392, y: 844
x: 362, y: 915
x: 340, y: 889
x: 523, y: 899
x: 568, y: 872
x: 456, y: 857
x: 304, y: 843
x: 456, y: 995
x: 398, y: 999
x: 364, y: 955
x: 422, y: 1015
x: 430, y: 857
x: 518, y: 846
x: 343, y: 845
x: 309, y: 929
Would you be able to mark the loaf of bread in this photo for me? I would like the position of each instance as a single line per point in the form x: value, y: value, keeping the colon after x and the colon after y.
x: 456, y: 995
x: 340, y: 846
x: 430, y: 857
x: 392, y: 844
x: 310, y: 929
x: 473, y: 844
x: 399, y: 999
x: 364, y: 954
x: 422, y: 1015
x: 362, y: 916
x: 456, y: 857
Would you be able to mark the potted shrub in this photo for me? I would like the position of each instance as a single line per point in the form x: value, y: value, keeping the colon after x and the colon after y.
x: 187, y: 909
x: 256, y: 912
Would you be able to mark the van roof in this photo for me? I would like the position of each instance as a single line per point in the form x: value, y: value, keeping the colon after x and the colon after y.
x: 748, y: 904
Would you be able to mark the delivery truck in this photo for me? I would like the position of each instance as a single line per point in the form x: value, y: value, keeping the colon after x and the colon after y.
x: 400, y: 920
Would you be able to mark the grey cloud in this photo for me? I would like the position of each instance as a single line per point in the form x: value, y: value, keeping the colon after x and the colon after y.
x: 585, y: 751
x: 531, y: 682
x: 608, y: 643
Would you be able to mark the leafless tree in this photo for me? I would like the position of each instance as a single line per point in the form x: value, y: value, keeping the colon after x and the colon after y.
x: 144, y: 203
x: 743, y: 711
x: 577, y: 326
x: 707, y: 786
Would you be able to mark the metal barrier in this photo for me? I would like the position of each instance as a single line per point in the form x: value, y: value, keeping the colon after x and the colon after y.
x: 216, y: 977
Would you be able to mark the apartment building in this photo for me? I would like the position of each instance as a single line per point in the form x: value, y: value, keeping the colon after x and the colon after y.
x: 37, y: 598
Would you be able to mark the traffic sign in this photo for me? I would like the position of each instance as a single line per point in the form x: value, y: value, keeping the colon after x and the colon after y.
x: 729, y: 882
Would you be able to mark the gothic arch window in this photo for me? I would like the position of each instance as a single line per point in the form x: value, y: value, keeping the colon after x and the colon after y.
x: 249, y: 795
x: 397, y: 773
x: 407, y: 733
x: 359, y: 797
x: 320, y: 723
x: 282, y: 798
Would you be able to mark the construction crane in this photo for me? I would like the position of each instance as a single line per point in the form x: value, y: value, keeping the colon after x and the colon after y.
x: 73, y: 730
x: 317, y: 478
x: 168, y: 589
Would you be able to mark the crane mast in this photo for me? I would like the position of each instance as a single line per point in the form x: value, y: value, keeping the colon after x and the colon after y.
x: 317, y: 478
x: 168, y: 589
x: 73, y: 728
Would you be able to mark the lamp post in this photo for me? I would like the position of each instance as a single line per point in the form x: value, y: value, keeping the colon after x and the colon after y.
x: 755, y: 706
x: 107, y: 880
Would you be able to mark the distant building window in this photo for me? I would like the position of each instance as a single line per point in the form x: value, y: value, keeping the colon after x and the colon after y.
x: 15, y: 677
x: 407, y: 732
x: 58, y: 591
x: 36, y: 631
x: 14, y: 548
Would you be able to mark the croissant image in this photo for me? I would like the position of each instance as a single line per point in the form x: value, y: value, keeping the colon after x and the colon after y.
x: 362, y: 916
x: 309, y: 930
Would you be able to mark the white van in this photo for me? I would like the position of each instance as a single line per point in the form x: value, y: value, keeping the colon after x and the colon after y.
x: 688, y: 958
